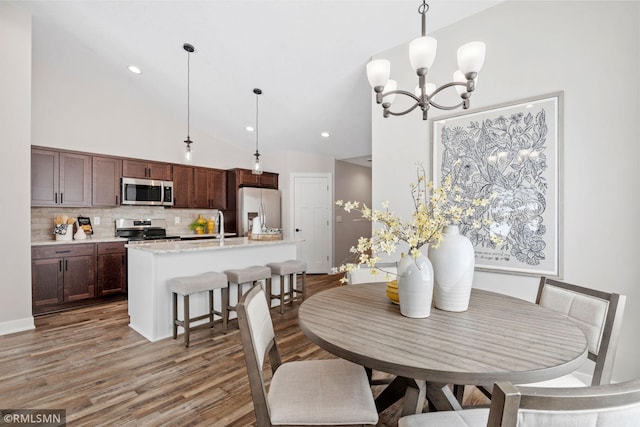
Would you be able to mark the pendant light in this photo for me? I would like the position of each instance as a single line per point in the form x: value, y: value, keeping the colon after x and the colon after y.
x: 188, y: 152
x: 257, y: 167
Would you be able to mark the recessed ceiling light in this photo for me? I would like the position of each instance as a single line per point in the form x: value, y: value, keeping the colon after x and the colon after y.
x: 134, y: 69
x: 325, y: 134
x: 249, y: 128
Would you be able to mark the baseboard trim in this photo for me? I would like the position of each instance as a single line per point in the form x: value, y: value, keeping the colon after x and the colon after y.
x: 18, y: 325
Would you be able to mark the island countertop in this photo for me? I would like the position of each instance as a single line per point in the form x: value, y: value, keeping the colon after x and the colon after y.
x: 204, y: 245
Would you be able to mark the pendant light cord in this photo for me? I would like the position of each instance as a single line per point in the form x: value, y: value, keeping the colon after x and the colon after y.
x: 188, y: 92
x: 257, y: 127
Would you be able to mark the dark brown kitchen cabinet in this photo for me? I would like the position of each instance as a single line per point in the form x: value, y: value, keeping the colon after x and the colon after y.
x: 133, y: 168
x: 105, y: 185
x: 182, y: 186
x: 62, y: 275
x: 245, y: 178
x: 60, y: 178
x: 112, y: 268
x: 210, y: 188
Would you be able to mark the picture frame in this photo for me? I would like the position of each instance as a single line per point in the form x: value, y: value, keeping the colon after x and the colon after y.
x: 510, y: 154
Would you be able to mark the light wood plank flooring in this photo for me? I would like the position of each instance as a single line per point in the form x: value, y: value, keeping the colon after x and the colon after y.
x: 89, y: 362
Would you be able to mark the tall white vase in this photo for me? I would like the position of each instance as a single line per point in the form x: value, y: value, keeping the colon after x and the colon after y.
x: 415, y: 286
x: 453, y: 263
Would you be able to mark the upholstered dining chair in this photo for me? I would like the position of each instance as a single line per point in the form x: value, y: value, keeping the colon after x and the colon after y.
x: 610, y: 405
x: 599, y: 315
x: 310, y: 392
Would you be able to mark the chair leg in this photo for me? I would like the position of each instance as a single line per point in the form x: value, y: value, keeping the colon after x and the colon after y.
x: 186, y: 320
x: 175, y: 315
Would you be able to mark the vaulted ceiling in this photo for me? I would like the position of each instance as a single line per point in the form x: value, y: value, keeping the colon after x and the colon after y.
x: 308, y: 57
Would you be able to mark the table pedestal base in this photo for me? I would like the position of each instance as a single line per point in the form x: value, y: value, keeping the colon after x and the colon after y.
x: 415, y: 392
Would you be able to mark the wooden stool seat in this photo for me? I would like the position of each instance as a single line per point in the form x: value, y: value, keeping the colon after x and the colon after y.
x: 190, y: 285
x: 241, y: 276
x: 289, y: 269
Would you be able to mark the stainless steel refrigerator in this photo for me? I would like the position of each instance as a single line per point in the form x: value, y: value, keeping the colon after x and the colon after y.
x: 261, y: 203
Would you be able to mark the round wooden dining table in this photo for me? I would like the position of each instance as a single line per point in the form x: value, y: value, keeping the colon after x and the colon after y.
x: 499, y: 338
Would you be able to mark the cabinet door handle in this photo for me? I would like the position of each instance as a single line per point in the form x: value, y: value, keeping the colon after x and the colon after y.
x: 66, y: 265
x: 63, y: 252
x: 61, y: 195
x: 149, y: 172
x: 56, y: 199
x: 60, y: 265
x: 116, y: 199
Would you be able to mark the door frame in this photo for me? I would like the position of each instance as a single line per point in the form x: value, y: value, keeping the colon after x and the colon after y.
x: 329, y: 205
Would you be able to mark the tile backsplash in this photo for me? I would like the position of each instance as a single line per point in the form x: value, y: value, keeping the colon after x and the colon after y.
x: 42, y: 219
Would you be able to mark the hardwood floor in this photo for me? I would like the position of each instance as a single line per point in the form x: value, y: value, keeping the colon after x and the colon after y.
x: 89, y: 362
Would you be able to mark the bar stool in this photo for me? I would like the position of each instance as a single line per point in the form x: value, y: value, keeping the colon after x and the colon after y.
x: 290, y: 269
x: 190, y: 285
x: 242, y: 276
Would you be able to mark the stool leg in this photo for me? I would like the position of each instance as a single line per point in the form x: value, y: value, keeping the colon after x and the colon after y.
x: 282, y: 294
x: 175, y: 315
x: 293, y: 281
x: 268, y: 290
x: 211, y: 307
x: 304, y: 285
x: 186, y: 320
x: 225, y: 308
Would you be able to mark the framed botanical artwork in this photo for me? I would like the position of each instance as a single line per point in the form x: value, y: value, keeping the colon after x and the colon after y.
x: 510, y: 154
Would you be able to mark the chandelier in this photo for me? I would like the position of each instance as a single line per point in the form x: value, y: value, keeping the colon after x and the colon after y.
x: 257, y: 167
x: 188, y: 153
x: 422, y: 53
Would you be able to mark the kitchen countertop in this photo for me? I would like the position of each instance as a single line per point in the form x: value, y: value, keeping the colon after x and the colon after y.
x: 74, y: 242
x: 205, y: 245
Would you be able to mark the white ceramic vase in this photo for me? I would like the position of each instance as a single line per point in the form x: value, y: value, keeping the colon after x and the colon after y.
x: 453, y: 263
x: 415, y: 286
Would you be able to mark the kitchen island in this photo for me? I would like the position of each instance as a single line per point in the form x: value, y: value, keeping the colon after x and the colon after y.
x: 152, y: 265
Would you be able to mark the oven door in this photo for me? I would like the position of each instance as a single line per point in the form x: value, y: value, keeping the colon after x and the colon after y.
x: 137, y: 191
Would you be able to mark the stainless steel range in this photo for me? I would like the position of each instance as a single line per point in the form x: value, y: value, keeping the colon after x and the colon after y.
x: 144, y: 230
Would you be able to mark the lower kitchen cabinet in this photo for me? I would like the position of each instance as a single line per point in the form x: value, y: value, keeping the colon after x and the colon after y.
x: 112, y: 268
x: 65, y: 276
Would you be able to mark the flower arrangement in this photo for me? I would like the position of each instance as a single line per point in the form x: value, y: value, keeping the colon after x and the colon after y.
x: 200, y: 223
x: 433, y: 209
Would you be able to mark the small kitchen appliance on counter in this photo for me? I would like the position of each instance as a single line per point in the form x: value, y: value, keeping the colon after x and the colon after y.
x: 144, y: 230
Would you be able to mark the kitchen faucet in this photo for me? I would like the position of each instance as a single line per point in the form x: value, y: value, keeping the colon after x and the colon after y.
x: 221, y: 226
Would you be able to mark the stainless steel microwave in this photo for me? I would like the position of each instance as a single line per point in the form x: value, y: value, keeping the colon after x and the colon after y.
x: 149, y: 192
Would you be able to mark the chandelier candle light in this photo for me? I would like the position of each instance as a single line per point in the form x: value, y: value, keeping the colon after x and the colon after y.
x: 422, y: 53
x: 257, y: 168
x: 188, y: 153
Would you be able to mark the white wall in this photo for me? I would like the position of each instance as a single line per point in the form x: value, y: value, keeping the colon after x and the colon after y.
x: 15, y: 133
x: 591, y: 51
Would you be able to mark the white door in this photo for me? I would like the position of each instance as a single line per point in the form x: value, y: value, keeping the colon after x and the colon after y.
x: 312, y: 207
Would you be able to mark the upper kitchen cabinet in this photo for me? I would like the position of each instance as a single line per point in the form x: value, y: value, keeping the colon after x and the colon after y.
x: 245, y: 178
x: 210, y: 188
x: 182, y: 186
x: 197, y: 187
x: 106, y: 174
x: 132, y: 168
x: 60, y: 178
